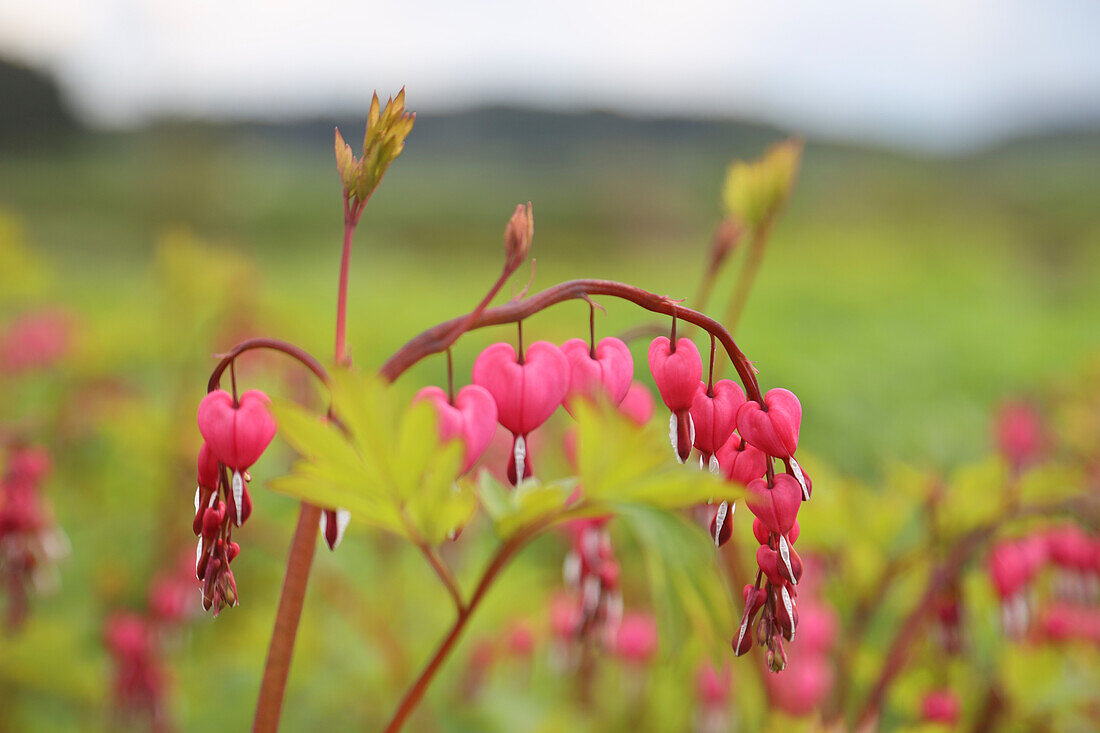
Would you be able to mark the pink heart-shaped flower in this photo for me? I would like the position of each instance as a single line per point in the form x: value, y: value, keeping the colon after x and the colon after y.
x: 740, y: 462
x: 768, y: 560
x: 760, y: 532
x: 525, y: 394
x: 715, y: 415
x: 607, y: 376
x: 774, y: 430
x: 777, y: 507
x: 472, y: 418
x: 677, y: 373
x: 237, y: 435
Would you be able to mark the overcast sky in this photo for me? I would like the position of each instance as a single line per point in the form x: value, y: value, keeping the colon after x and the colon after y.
x: 928, y: 73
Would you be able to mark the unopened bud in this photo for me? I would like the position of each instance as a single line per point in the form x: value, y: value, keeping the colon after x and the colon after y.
x: 518, y: 234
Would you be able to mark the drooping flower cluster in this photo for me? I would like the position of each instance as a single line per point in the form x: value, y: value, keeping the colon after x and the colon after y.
x: 30, y: 542
x: 739, y: 439
x: 1073, y: 611
x: 139, y: 676
x: 236, y: 433
x: 135, y: 642
x: 591, y: 574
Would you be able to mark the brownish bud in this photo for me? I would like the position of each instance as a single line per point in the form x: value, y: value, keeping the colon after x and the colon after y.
x: 726, y: 238
x: 518, y: 234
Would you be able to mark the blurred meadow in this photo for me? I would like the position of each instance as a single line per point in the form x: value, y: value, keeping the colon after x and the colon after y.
x: 903, y: 296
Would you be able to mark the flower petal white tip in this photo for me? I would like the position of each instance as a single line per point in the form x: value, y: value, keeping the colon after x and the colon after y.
x: 238, y: 496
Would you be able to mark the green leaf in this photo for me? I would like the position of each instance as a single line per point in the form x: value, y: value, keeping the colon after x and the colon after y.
x: 386, y: 466
x: 527, y: 504
x: 679, y: 559
x: 621, y: 462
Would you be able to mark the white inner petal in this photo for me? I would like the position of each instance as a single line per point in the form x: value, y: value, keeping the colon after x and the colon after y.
x: 238, y: 495
x: 672, y: 436
x: 785, y: 553
x: 790, y: 610
x: 719, y: 521
x: 801, y: 479
x: 571, y: 569
x: 590, y: 594
x: 198, y: 556
x: 343, y: 517
x: 520, y: 455
x: 197, y: 492
x: 714, y: 467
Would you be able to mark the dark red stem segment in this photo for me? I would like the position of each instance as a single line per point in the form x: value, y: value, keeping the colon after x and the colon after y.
x: 420, y: 686
x: 270, y: 704
x: 439, y: 337
x: 352, y: 213
x: 300, y: 355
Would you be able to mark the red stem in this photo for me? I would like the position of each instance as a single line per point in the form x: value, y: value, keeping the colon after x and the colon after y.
x: 439, y: 337
x: 420, y: 686
x: 300, y: 355
x: 302, y: 548
x: 277, y: 668
x: 351, y: 218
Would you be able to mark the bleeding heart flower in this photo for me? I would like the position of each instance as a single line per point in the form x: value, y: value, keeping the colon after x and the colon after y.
x: 740, y: 462
x: 606, y: 375
x: 721, y: 524
x: 940, y: 706
x: 774, y: 428
x: 754, y: 601
x: 714, y: 415
x: 237, y: 434
x: 677, y: 375
x: 760, y: 532
x: 525, y: 394
x: 333, y: 523
x: 769, y: 562
x: 777, y: 507
x: 472, y: 418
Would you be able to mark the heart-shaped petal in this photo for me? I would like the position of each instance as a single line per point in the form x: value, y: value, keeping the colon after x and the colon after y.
x: 677, y: 373
x: 777, y: 507
x: 237, y: 435
x: 740, y: 462
x: 761, y: 533
x: 774, y: 430
x: 768, y: 560
x: 715, y: 414
x: 472, y: 418
x: 525, y: 394
x: 607, y: 376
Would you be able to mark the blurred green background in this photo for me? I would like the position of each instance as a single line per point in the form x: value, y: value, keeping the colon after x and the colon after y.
x: 902, y: 298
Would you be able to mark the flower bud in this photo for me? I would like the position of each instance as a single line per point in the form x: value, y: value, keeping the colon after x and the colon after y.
x: 518, y: 235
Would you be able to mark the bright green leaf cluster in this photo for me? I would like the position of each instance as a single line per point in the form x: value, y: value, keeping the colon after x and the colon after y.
x: 386, y: 466
x: 754, y: 190
x: 382, y: 143
x: 621, y: 463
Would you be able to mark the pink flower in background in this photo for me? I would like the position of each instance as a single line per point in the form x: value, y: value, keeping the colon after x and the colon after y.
x: 940, y: 706
x: 636, y: 640
x: 521, y: 639
x: 35, y: 341
x: 1019, y: 433
x: 139, y: 678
